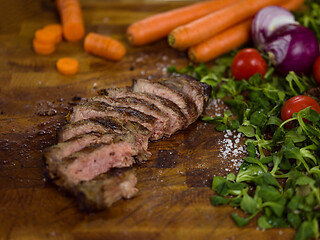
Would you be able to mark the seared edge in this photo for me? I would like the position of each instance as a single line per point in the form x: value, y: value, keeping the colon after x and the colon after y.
x: 177, y: 119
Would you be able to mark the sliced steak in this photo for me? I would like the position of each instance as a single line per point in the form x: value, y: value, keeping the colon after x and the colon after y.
x: 156, y: 88
x: 198, y: 92
x: 56, y: 153
x: 108, y: 125
x: 81, y: 127
x: 162, y: 121
x: 104, y: 190
x: 177, y: 119
x: 96, y: 159
x: 101, y: 109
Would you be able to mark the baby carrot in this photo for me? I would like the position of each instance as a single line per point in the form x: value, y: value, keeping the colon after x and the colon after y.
x: 56, y: 29
x: 43, y: 48
x: 203, y: 28
x: 71, y: 18
x: 104, y: 46
x: 229, y: 39
x: 158, y: 26
x: 67, y: 66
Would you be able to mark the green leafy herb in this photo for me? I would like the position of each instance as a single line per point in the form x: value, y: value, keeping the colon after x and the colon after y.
x: 275, y: 153
x: 311, y: 17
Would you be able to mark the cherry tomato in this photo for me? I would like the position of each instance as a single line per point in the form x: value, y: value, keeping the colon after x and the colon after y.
x: 246, y: 63
x: 297, y: 103
x: 316, y: 69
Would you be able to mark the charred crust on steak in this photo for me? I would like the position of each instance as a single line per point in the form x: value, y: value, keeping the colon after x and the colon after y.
x: 161, y: 120
x: 173, y: 94
x: 198, y: 92
x: 102, y: 109
x: 177, y: 119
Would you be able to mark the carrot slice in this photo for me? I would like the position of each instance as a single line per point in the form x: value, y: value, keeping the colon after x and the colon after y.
x: 104, y: 46
x: 229, y: 39
x: 158, y: 26
x: 56, y: 29
x: 43, y: 48
x: 45, y: 36
x: 71, y: 18
x: 67, y: 66
x: 206, y: 27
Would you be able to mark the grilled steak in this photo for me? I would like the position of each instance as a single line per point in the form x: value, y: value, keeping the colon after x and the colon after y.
x: 81, y: 127
x: 156, y: 88
x: 162, y: 121
x: 177, y: 119
x: 95, y: 159
x: 109, y: 125
x: 100, y: 109
x: 102, y: 191
x: 56, y: 153
x: 193, y: 89
x: 107, y: 134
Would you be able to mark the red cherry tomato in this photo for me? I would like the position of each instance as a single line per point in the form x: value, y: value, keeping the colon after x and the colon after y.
x: 246, y: 63
x: 316, y: 69
x: 297, y: 103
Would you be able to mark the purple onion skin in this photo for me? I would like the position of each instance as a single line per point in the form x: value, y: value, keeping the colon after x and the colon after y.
x: 267, y: 20
x: 292, y: 47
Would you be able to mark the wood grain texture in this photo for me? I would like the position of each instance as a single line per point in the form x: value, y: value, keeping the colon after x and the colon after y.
x: 174, y: 197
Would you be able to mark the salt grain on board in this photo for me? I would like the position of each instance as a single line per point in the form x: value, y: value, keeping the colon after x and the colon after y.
x: 231, y: 148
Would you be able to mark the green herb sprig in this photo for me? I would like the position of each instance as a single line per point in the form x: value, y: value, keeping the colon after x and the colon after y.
x: 310, y: 17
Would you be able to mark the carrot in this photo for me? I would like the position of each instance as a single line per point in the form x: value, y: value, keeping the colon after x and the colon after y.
x: 231, y: 38
x: 43, y: 48
x: 104, y: 46
x: 45, y: 36
x: 56, y: 29
x: 221, y: 43
x: 67, y: 66
x: 203, y: 28
x: 158, y: 26
x: 293, y: 4
x: 71, y: 18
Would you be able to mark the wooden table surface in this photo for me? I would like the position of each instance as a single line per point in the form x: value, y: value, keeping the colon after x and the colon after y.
x: 174, y: 186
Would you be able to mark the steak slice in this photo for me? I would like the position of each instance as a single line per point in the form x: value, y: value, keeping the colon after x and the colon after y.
x: 196, y: 91
x: 108, y: 125
x: 100, y: 109
x: 187, y: 107
x: 177, y: 119
x: 161, y: 123
x: 56, y: 153
x: 104, y: 190
x: 94, y: 160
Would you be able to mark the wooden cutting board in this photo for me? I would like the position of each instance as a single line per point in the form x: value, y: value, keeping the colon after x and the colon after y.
x: 174, y: 186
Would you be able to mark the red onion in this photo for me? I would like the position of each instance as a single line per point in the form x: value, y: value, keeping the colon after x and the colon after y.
x: 292, y: 47
x: 267, y: 20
